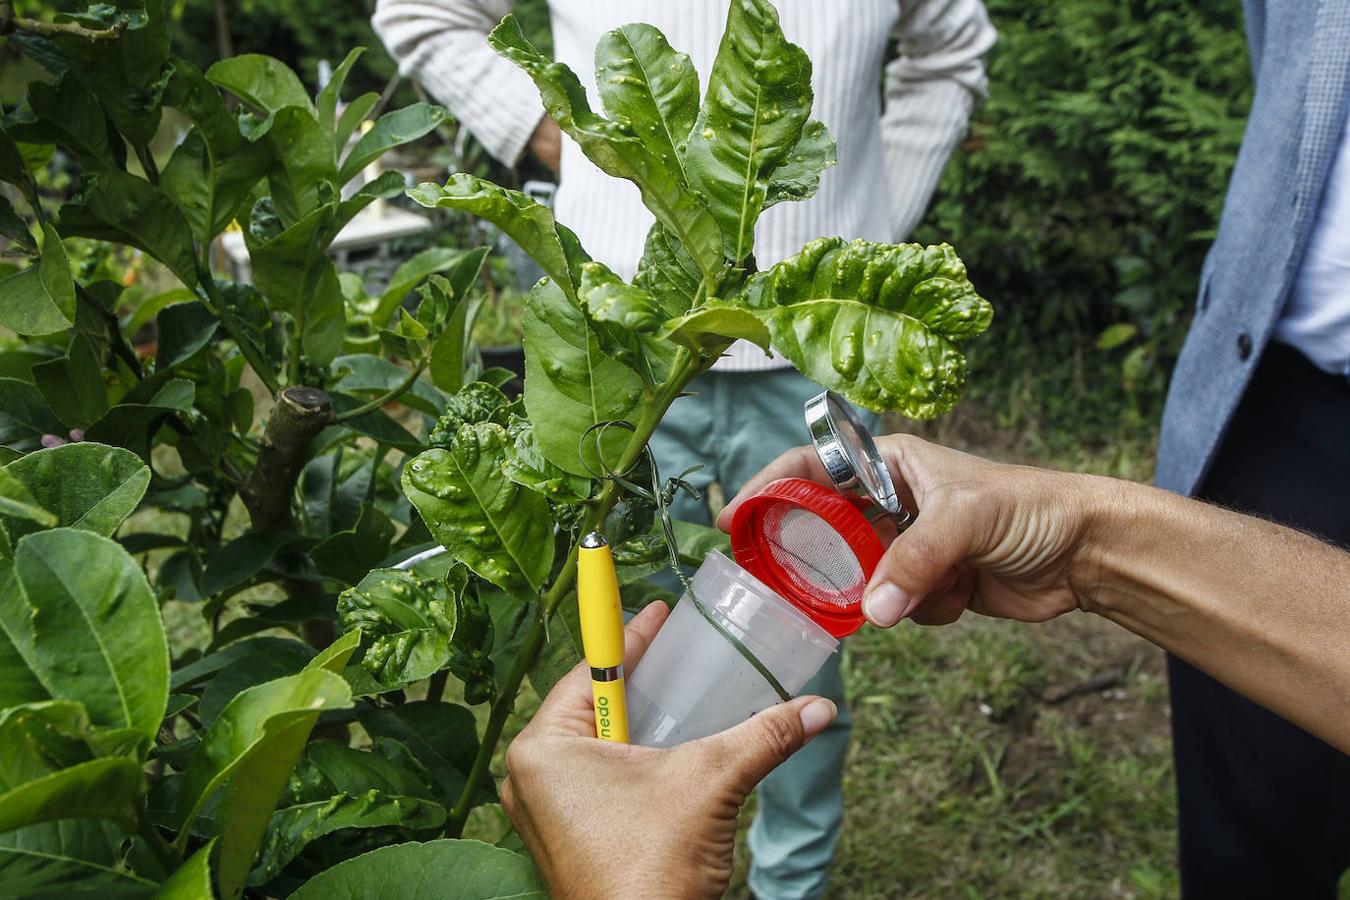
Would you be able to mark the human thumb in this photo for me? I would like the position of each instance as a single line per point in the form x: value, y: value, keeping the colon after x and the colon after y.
x: 918, y: 563
x: 754, y: 748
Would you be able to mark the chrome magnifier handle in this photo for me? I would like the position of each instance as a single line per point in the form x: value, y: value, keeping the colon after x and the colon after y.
x: 850, y: 456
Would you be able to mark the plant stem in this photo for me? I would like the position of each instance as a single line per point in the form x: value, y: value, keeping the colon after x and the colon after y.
x: 215, y: 304
x: 393, y: 394
x: 155, y: 843
x: 684, y: 369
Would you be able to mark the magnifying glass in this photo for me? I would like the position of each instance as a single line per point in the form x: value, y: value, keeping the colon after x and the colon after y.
x: 850, y: 456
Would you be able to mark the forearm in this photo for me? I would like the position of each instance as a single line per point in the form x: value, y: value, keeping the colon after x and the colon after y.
x: 1264, y: 609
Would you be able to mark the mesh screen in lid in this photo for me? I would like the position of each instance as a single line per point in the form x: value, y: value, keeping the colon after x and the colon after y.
x: 812, y: 546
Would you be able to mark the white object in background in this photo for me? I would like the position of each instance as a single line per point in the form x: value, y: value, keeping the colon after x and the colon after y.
x: 692, y: 682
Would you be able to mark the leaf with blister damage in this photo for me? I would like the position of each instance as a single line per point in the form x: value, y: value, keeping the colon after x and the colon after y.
x: 474, y: 403
x: 501, y: 530
x: 408, y: 620
x: 878, y: 323
x: 526, y: 465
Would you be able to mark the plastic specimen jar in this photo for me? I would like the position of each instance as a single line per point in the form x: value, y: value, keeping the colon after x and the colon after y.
x: 694, y: 681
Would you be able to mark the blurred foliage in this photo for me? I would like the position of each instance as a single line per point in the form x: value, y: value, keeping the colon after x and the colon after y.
x: 1088, y: 194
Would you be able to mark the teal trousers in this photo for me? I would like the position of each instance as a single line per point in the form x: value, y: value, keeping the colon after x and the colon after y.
x: 735, y: 424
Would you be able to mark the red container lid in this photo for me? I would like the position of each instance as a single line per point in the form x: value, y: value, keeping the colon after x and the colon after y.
x: 813, y: 546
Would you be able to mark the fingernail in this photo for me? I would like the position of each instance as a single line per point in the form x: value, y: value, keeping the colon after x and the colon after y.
x: 816, y: 715
x: 885, y: 604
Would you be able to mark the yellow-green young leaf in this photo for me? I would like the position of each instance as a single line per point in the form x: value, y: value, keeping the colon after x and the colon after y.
x: 88, y: 486
x: 710, y: 329
x: 401, y: 872
x: 758, y: 100
x: 64, y: 595
x: 408, y: 621
x: 618, y: 147
x: 191, y: 880
x: 1115, y: 335
x: 253, y: 746
x: 876, y: 322
x: 499, y: 529
x: 571, y: 384
x: 529, y: 223
x: 41, y: 298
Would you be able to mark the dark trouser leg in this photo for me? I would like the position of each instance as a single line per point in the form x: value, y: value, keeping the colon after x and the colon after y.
x: 1264, y: 806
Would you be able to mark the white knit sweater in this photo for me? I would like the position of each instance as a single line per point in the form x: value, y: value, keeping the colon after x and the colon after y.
x: 894, y: 135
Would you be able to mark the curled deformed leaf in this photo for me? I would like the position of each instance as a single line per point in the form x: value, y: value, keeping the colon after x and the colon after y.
x: 526, y: 464
x: 527, y: 222
x: 610, y: 299
x: 496, y: 527
x: 799, y: 177
x: 409, y: 620
x: 667, y: 272
x: 473, y: 403
x: 758, y: 99
x: 618, y: 147
x: 876, y: 322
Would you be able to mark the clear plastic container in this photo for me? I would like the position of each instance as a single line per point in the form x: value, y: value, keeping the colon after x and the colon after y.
x: 693, y: 682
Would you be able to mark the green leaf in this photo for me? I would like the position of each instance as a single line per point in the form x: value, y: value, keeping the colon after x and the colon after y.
x: 385, y: 185
x: 17, y: 502
x: 41, y: 298
x: 711, y: 328
x: 295, y: 827
x: 616, y: 147
x: 24, y: 416
x: 328, y: 768
x: 254, y: 745
x: 609, y: 299
x: 1115, y: 335
x: 208, y: 665
x: 526, y: 465
x: 14, y: 227
x: 408, y: 620
x: 799, y: 177
x: 123, y: 209
x: 241, y: 559
x: 65, y: 858
x: 463, y: 266
x: 191, y: 880
x: 650, y: 86
x: 476, y: 402
x: 563, y: 649
x: 667, y: 272
x: 132, y: 422
x: 353, y: 115
x: 73, y: 384
x: 527, y: 222
x: 66, y: 113
x: 253, y: 669
x: 65, y: 597
x: 400, y: 873
x: 571, y: 385
x: 443, y: 737
x: 500, y: 530
x: 876, y: 322
x: 695, y: 542
x: 214, y: 169
x: 393, y: 129
x: 308, y: 167
x: 331, y: 94
x: 87, y: 486
x: 758, y: 100
x: 293, y: 269
x: 108, y: 788
x: 182, y: 329
x: 260, y: 81
x: 367, y: 373
x: 350, y: 554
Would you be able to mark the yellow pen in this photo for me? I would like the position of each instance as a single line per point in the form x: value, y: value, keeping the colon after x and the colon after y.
x: 602, y: 635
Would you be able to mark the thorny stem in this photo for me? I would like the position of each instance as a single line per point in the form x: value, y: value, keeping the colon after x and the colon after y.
x: 684, y: 369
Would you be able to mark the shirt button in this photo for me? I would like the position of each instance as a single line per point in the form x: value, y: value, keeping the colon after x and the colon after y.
x: 1244, y: 346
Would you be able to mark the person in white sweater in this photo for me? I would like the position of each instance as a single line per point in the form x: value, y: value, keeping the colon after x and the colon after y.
x: 896, y: 125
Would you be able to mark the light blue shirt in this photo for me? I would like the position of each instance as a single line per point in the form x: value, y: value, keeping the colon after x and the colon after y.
x: 1317, y: 317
